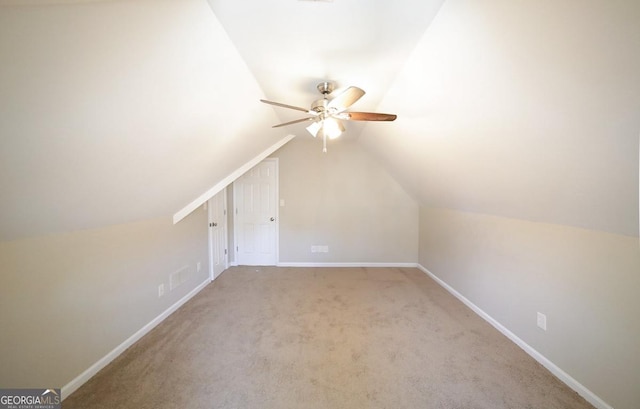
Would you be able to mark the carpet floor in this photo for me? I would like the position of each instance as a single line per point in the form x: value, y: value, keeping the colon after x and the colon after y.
x: 269, y: 337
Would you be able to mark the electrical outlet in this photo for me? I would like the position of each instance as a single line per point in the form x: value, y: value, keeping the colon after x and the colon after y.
x: 198, y: 266
x: 542, y: 321
x: 160, y: 290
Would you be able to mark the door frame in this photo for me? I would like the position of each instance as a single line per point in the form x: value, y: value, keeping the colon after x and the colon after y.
x: 225, y: 232
x: 234, y: 212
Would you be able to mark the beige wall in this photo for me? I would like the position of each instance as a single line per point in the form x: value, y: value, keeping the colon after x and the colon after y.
x: 68, y: 299
x: 342, y: 199
x: 585, y: 281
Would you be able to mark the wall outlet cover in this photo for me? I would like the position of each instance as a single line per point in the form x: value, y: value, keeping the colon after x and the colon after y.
x: 542, y: 321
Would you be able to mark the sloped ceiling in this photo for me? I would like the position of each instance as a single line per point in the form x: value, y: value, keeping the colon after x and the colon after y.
x: 519, y: 109
x: 115, y: 111
x: 292, y: 45
x: 522, y: 109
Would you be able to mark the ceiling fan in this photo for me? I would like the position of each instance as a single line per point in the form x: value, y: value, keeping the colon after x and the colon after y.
x: 326, y: 113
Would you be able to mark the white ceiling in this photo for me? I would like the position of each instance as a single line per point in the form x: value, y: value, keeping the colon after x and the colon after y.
x: 122, y: 110
x: 292, y: 45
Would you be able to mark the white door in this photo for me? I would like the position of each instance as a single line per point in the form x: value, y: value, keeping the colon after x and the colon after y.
x: 218, y: 234
x: 255, y: 196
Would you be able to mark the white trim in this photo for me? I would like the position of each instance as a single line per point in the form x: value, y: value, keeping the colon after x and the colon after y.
x: 357, y: 264
x: 553, y: 368
x: 276, y: 161
x: 81, y: 379
x: 233, y: 264
x: 210, y: 238
x: 277, y: 206
x: 225, y: 233
x: 184, y: 212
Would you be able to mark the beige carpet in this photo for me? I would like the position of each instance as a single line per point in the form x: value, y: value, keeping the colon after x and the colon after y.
x: 267, y: 337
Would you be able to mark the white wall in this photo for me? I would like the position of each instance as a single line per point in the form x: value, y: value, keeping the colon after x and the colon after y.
x: 585, y: 281
x: 345, y: 200
x: 68, y: 299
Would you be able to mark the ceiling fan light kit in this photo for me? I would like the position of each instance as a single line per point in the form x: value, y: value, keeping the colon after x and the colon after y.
x: 327, y: 114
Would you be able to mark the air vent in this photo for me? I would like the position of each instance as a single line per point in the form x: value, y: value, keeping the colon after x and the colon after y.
x: 179, y: 277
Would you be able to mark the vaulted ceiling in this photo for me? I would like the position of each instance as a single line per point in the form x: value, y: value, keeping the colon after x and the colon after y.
x: 116, y: 111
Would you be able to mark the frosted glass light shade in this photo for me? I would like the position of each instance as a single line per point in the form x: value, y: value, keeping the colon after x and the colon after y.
x: 332, y: 128
x: 314, y: 128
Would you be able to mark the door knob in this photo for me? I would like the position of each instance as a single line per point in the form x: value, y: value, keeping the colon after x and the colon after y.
x: 272, y: 219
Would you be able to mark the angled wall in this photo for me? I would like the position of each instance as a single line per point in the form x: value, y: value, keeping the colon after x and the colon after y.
x: 118, y: 111
x: 528, y: 110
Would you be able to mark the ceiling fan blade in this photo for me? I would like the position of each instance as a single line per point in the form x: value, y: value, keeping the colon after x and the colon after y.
x: 294, y: 122
x: 370, y: 116
x: 284, y: 105
x: 346, y: 98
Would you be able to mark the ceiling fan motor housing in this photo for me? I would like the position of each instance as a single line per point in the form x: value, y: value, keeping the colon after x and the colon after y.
x: 319, y: 105
x: 326, y: 87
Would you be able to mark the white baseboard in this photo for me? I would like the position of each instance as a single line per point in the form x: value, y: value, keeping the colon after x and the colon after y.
x: 306, y: 264
x: 81, y: 379
x: 233, y: 264
x: 553, y: 368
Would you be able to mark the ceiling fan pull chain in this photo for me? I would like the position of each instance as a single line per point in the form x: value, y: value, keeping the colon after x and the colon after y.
x: 324, y: 142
